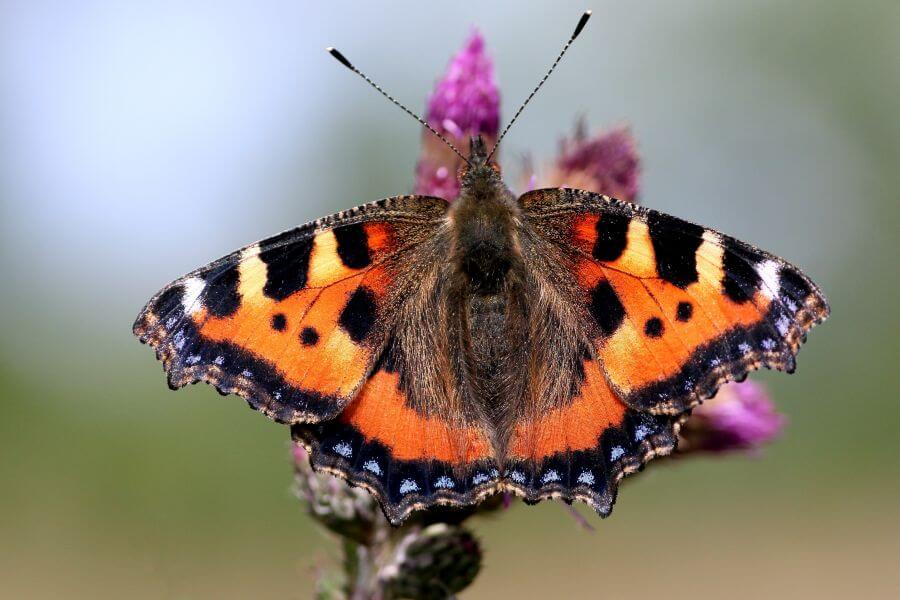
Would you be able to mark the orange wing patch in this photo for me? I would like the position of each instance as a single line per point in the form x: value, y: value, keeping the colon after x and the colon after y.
x: 317, y: 336
x: 379, y: 412
x: 406, y: 459
x: 652, y: 343
x: 577, y: 426
x: 307, y: 347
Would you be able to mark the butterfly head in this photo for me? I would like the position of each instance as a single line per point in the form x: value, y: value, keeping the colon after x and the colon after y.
x: 479, y: 170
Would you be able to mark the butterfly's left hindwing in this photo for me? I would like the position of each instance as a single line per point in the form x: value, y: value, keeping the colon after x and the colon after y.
x: 294, y: 323
x: 581, y: 449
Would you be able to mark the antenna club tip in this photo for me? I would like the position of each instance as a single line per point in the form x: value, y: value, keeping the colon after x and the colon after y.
x: 581, y: 23
x: 339, y: 57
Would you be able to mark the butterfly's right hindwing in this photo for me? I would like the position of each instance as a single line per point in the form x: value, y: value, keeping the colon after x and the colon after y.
x: 294, y: 323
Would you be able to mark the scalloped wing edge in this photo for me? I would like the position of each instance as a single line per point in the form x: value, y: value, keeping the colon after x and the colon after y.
x: 656, y: 445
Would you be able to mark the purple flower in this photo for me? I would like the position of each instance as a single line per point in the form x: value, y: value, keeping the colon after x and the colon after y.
x: 607, y: 163
x: 465, y: 102
x: 740, y: 417
x: 435, y: 179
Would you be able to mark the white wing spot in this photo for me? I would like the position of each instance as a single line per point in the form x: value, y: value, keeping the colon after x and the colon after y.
x: 517, y: 476
x: 495, y: 473
x: 586, y: 477
x: 617, y: 453
x: 640, y: 432
x: 769, y: 271
x: 170, y: 322
x: 715, y: 362
x: 444, y: 483
x: 193, y: 287
x: 551, y: 475
x: 247, y: 373
x: 783, y: 325
x: 179, y: 340
x: 193, y: 359
x: 408, y: 485
x: 372, y: 467
x: 220, y: 360
x: 479, y: 478
x: 744, y: 347
x: 769, y: 344
x: 343, y: 448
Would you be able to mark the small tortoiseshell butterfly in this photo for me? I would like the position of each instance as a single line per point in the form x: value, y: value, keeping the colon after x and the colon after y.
x: 438, y: 353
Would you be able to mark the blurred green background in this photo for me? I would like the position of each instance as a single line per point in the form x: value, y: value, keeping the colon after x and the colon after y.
x: 140, y: 140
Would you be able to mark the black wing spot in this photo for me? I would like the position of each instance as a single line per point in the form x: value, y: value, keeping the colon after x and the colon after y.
x: 675, y: 243
x: 358, y: 316
x: 740, y: 281
x: 793, y: 284
x: 287, y: 259
x: 279, y: 322
x: 612, y: 236
x: 653, y: 327
x: 353, y: 246
x: 606, y: 308
x: 169, y: 301
x: 684, y: 312
x: 309, y: 336
x: 221, y: 296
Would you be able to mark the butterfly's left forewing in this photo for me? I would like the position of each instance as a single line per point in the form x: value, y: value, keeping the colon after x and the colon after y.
x: 673, y: 310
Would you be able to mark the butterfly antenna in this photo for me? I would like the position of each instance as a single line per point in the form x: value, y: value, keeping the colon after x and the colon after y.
x: 581, y: 23
x: 343, y: 60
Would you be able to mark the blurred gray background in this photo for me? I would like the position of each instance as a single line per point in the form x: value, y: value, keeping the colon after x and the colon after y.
x: 140, y: 140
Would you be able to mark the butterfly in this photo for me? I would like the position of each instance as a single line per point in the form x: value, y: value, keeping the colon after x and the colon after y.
x: 436, y: 353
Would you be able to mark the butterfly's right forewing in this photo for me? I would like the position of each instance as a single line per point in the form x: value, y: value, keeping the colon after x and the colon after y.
x: 295, y: 322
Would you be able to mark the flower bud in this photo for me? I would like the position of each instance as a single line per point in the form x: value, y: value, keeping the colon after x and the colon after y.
x: 346, y: 510
x: 606, y: 163
x: 741, y: 417
x: 434, y: 562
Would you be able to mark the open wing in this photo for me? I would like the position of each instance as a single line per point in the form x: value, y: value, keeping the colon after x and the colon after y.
x: 657, y: 313
x: 673, y: 310
x: 326, y: 327
x: 294, y: 323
